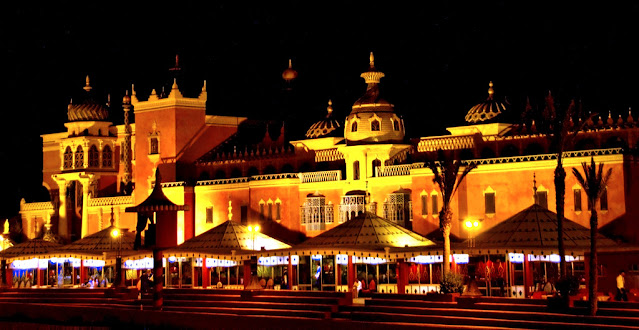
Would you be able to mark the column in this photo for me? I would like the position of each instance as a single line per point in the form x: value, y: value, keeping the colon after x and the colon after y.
x: 85, y: 207
x: 289, y: 274
x: 206, y: 274
x: 158, y: 299
x: 351, y: 273
x: 527, y: 274
x: 63, y: 225
x: 247, y: 273
x: 402, y: 276
x: 189, y: 215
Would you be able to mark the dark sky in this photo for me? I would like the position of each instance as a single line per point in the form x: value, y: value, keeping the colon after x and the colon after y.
x: 438, y: 57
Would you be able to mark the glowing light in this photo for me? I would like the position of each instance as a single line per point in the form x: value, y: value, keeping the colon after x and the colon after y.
x: 476, y: 224
x: 459, y: 258
x: 172, y: 259
x: 115, y: 233
x: 516, y: 258
x: 469, y: 224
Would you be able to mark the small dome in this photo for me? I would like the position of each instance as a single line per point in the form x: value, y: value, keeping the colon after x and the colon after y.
x: 89, y: 109
x: 325, y: 127
x: 486, y: 110
x: 289, y: 74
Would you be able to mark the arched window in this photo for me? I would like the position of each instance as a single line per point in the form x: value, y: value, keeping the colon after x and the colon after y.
x: 68, y: 158
x: 154, y: 146
x: 79, y: 157
x: 107, y: 157
x: 396, y: 125
x: 375, y: 125
x: 94, y: 156
x: 375, y: 164
x: 356, y: 170
x: 354, y: 127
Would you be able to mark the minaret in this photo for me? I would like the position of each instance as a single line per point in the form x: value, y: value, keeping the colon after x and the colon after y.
x: 126, y: 145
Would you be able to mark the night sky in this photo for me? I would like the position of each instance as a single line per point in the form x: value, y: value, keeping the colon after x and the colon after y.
x: 438, y: 58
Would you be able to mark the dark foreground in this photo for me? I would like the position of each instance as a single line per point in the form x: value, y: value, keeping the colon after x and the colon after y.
x: 267, y: 309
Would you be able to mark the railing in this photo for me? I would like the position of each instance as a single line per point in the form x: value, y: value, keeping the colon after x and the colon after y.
x: 173, y: 184
x: 328, y: 155
x: 115, y: 200
x: 566, y: 154
x: 396, y: 170
x: 446, y: 143
x: 322, y: 176
x: 39, y: 206
x: 274, y: 176
x: 222, y: 181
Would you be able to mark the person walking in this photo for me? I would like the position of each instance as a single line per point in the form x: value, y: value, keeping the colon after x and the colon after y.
x: 621, y: 287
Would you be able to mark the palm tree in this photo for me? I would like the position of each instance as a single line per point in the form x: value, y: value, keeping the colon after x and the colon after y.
x: 594, y: 183
x: 448, y: 179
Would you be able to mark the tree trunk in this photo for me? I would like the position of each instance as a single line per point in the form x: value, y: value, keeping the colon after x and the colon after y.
x: 592, y: 280
x: 560, y: 195
x: 446, y: 232
x: 445, y: 217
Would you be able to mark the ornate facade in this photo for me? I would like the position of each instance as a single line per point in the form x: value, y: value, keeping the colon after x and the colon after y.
x: 340, y: 168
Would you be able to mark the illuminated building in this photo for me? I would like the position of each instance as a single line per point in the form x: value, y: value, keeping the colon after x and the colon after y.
x: 341, y: 168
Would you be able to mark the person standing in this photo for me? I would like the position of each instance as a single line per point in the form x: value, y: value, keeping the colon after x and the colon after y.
x: 621, y: 287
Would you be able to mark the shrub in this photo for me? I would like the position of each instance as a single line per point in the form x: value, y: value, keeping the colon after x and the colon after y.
x: 568, y: 286
x: 452, y: 283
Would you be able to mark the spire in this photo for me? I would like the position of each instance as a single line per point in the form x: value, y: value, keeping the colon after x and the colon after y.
x: 134, y: 96
x: 372, y: 76
x: 87, y: 87
x: 203, y: 94
x: 177, y: 64
x: 491, y: 91
x: 6, y: 227
x: 230, y: 215
x: 289, y: 74
x: 329, y: 109
x: 175, y: 92
x: 112, y: 218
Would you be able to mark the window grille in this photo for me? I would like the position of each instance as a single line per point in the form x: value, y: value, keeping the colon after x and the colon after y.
x: 397, y: 208
x: 154, y: 146
x: 107, y: 157
x: 375, y: 125
x: 79, y: 157
x: 314, y: 213
x: 94, y: 157
x: 354, y: 127
x: 68, y: 158
x: 351, y: 206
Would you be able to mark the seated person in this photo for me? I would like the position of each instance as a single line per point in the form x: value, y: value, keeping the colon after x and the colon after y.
x: 372, y: 286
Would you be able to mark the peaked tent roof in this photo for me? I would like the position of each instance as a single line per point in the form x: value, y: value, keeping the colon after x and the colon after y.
x: 31, y: 247
x: 534, y: 230
x: 367, y: 232
x: 157, y: 201
x: 228, y: 236
x: 98, y: 243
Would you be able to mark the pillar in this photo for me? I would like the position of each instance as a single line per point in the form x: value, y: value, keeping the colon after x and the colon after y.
x: 8, y: 276
x: 206, y: 274
x: 351, y: 273
x: 189, y: 215
x: 402, y: 276
x: 63, y: 225
x: 158, y: 299
x: 42, y: 273
x: 527, y: 276
x: 247, y: 273
x: 83, y: 272
x: 3, y: 265
x: 85, y: 207
x: 289, y: 274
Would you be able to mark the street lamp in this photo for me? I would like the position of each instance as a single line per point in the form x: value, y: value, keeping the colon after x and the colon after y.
x: 472, y: 226
x: 116, y: 234
x: 253, y: 229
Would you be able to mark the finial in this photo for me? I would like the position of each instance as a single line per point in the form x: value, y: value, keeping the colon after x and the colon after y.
x: 290, y: 63
x: 175, y: 92
x: 329, y: 109
x: 609, y: 121
x: 203, y: 95
x: 6, y: 227
x: 112, y: 218
x: 87, y: 87
x: 108, y: 100
x: 630, y: 120
x: 177, y: 60
x: 372, y: 60
x: 490, y: 90
x: 230, y: 210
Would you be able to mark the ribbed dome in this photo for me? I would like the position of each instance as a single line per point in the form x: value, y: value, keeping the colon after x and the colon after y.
x: 89, y: 109
x: 486, y: 110
x: 373, y: 119
x: 325, y: 126
x: 289, y: 74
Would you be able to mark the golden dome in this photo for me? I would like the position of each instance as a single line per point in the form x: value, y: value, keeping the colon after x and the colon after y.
x: 486, y: 110
x: 325, y: 127
x: 373, y: 119
x: 89, y: 109
x: 289, y: 74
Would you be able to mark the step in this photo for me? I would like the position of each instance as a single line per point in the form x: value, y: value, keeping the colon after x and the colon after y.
x: 251, y: 304
x: 248, y: 311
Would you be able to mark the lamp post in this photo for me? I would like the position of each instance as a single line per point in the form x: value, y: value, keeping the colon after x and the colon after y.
x: 254, y: 284
x: 116, y: 234
x: 472, y: 226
